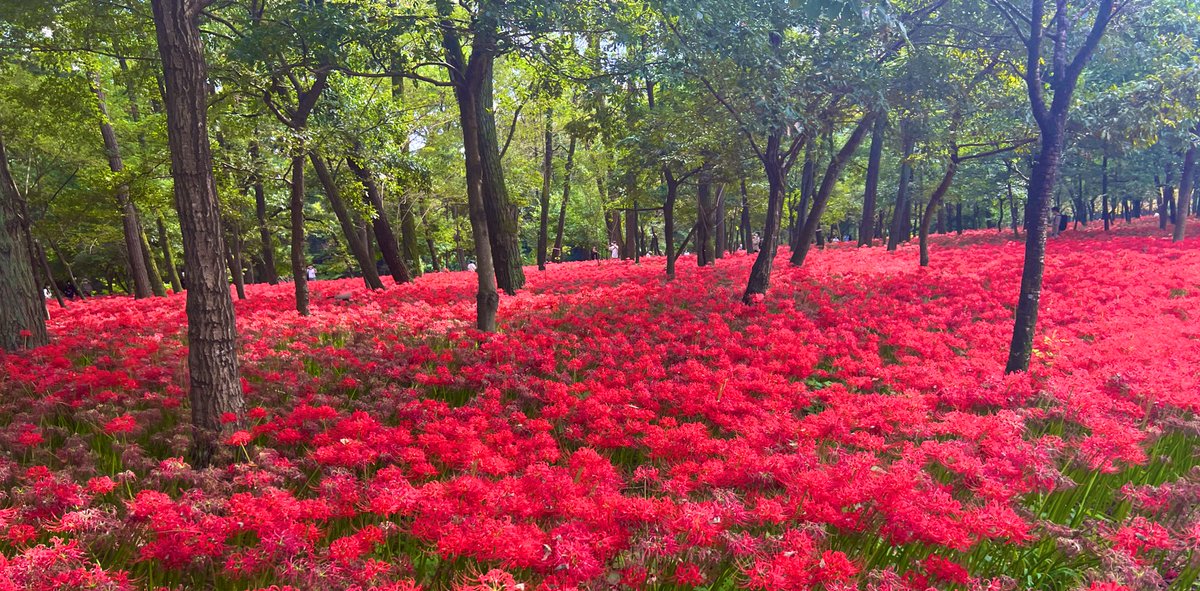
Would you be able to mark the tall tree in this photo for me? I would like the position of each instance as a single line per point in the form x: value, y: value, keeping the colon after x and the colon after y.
x: 1065, y: 67
x: 214, y: 382
x: 23, y: 314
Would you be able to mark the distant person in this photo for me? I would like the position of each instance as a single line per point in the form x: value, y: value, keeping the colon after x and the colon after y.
x: 46, y: 292
x: 312, y: 273
x: 613, y: 250
x: 595, y: 254
x: 755, y: 241
x: 471, y: 266
x: 1058, y: 222
x: 85, y: 288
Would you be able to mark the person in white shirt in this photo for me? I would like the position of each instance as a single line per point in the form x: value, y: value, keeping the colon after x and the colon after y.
x: 312, y: 273
x: 471, y: 266
x: 613, y: 250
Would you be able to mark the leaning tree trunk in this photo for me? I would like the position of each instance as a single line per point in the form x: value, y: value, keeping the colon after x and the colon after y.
x: 23, y: 314
x: 129, y: 218
x: 353, y: 239
x: 67, y: 265
x: 503, y: 228
x: 384, y: 236
x: 48, y: 273
x: 760, y: 273
x: 821, y: 199
x: 1185, y: 191
x: 866, y: 229
x: 233, y: 259
x: 562, y: 207
x: 215, y: 389
x: 932, y: 209
x: 168, y: 258
x: 544, y: 197
x: 156, y: 280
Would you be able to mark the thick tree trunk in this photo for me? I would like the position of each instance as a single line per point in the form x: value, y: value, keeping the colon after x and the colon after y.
x: 808, y: 185
x: 669, y: 220
x: 164, y: 241
x: 704, y: 217
x: 353, y: 240
x: 215, y: 386
x: 900, y: 215
x: 931, y: 209
x: 129, y: 217
x: 562, y: 207
x: 866, y: 229
x: 296, y: 209
x: 821, y: 198
x: 1185, y: 191
x: 408, y: 239
x: 760, y: 273
x: 384, y: 236
x: 503, y: 228
x: 631, y: 237
x: 23, y: 313
x: 544, y: 197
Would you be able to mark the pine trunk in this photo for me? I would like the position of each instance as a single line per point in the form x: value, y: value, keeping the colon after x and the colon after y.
x: 544, y: 197
x: 866, y: 229
x: 562, y: 207
x: 900, y: 213
x: 23, y: 314
x: 354, y: 240
x: 388, y: 246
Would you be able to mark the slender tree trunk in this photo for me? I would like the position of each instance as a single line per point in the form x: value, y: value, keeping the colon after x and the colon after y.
x: 433, y: 258
x: 260, y: 211
x: 821, y: 199
x: 1185, y: 190
x: 233, y: 259
x: 129, y: 217
x: 808, y: 184
x: 168, y: 257
x: 544, y: 198
x: 931, y: 209
x: 562, y: 207
x: 67, y: 265
x: 669, y: 220
x: 408, y: 239
x: 631, y: 238
x: 899, y: 217
x: 48, y: 274
x: 746, y: 232
x: 215, y: 386
x: 156, y: 280
x: 353, y: 240
x: 866, y: 234
x: 722, y: 238
x: 760, y: 273
x: 296, y: 208
x: 704, y: 208
x: 388, y: 246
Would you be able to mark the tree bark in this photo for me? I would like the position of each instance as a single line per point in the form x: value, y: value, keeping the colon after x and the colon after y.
x: 23, y: 314
x: 353, y: 240
x: 900, y: 215
x: 260, y: 212
x: 384, y: 236
x: 704, y: 217
x: 544, y: 197
x: 821, y: 199
x: 233, y: 258
x: 669, y: 219
x: 866, y: 229
x: 746, y: 232
x: 562, y: 207
x: 722, y: 237
x: 931, y: 209
x: 214, y: 382
x: 1185, y: 191
x: 129, y: 218
x: 296, y: 210
x: 760, y: 273
x: 631, y: 237
x: 156, y: 280
x: 164, y: 241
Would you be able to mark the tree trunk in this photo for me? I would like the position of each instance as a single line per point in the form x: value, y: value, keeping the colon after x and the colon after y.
x: 70, y: 270
x: 408, y: 239
x: 42, y: 260
x: 544, y: 197
x: 562, y: 207
x: 722, y: 238
x: 384, y: 236
x: 260, y: 211
x: 296, y: 208
x: 958, y: 218
x: 669, y: 220
x: 215, y: 385
x: 866, y: 230
x: 808, y: 183
x: 168, y: 257
x: 821, y: 198
x: 129, y: 217
x: 900, y: 215
x: 760, y: 273
x: 487, y: 300
x: 503, y: 228
x: 233, y: 259
x: 433, y: 258
x: 156, y: 280
x: 746, y: 232
x: 931, y: 209
x: 631, y: 238
x: 23, y: 314
x: 704, y: 209
x: 353, y: 240
x: 1185, y: 190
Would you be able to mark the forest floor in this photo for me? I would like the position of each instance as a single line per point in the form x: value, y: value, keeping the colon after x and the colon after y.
x: 854, y: 430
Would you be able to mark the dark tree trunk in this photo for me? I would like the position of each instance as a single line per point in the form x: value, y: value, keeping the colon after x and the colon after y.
x: 296, y: 208
x: 23, y: 313
x: 808, y: 183
x: 821, y: 199
x: 899, y: 232
x: 631, y: 237
x: 544, y: 197
x: 156, y: 280
x: 1185, y: 190
x: 433, y: 258
x: 669, y: 220
x: 958, y: 218
x: 866, y: 229
x: 932, y: 209
x: 722, y: 237
x: 760, y: 273
x: 1166, y: 196
x: 233, y: 257
x: 129, y: 217
x: 747, y: 235
x: 353, y: 240
x: 941, y: 220
x: 465, y: 78
x: 1104, y: 186
x: 215, y: 387
x: 260, y: 212
x: 164, y: 240
x: 48, y: 274
x: 70, y: 270
x: 408, y: 239
x: 704, y: 208
x: 562, y: 207
x: 503, y: 229
x: 1012, y: 201
x: 384, y: 236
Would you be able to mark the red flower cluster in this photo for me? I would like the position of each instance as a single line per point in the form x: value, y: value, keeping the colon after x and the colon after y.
x: 853, y: 430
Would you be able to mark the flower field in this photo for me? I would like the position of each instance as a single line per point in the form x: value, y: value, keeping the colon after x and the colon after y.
x: 854, y: 430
